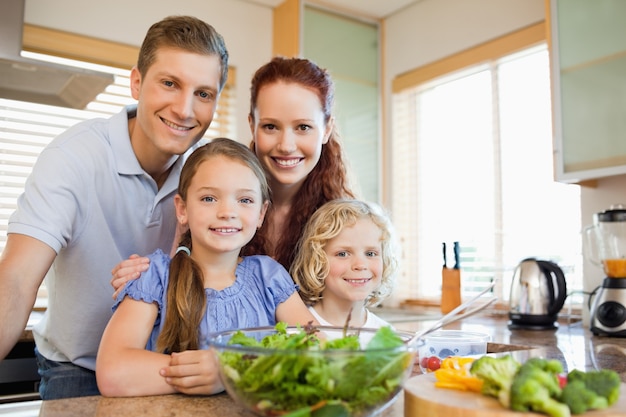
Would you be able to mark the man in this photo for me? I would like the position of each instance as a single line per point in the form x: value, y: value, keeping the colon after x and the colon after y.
x: 101, y: 191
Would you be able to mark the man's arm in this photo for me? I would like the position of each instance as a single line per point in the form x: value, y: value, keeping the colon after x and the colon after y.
x: 23, y: 266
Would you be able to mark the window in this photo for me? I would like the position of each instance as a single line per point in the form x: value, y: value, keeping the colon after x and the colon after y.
x: 472, y: 162
x: 26, y: 128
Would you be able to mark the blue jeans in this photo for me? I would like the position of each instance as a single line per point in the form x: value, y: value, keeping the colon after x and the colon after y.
x: 64, y: 379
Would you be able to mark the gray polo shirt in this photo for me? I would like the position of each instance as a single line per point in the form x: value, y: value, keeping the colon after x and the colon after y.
x: 89, y: 199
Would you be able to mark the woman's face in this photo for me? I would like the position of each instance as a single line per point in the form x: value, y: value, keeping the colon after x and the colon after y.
x: 288, y: 130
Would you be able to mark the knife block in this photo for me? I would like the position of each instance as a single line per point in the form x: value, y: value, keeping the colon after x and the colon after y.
x: 450, y: 289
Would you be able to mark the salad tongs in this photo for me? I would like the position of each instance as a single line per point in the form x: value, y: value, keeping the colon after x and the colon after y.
x: 457, y: 314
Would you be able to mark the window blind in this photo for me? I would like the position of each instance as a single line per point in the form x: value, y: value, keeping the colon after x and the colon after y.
x: 26, y: 128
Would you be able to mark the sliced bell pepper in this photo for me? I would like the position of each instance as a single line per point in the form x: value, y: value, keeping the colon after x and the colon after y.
x: 454, y: 374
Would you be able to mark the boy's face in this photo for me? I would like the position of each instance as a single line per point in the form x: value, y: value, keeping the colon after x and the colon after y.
x: 355, y: 263
x: 177, y: 98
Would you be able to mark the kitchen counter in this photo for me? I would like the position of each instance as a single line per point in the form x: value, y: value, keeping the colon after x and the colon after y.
x: 576, y: 347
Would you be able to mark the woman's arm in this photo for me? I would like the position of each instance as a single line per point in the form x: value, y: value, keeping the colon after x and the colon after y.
x: 132, y: 267
x: 127, y: 270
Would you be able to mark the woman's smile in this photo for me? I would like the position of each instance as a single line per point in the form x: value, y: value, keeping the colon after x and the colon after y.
x: 287, y: 162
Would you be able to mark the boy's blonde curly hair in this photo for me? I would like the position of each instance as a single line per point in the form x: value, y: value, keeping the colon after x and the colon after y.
x: 310, y: 267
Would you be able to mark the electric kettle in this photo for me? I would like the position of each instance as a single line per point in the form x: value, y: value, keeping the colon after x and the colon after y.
x: 538, y: 292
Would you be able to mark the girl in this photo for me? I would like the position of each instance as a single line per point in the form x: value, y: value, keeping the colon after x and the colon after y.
x: 346, y: 261
x: 162, y: 319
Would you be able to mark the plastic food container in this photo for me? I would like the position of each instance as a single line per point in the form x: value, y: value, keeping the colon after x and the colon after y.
x: 444, y: 343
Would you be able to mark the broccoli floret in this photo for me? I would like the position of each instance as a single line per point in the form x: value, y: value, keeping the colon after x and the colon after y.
x: 604, y: 382
x: 497, y: 375
x: 552, y: 366
x: 580, y: 399
x: 536, y: 388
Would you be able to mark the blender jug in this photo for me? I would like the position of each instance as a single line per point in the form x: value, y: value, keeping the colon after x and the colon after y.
x: 606, y: 241
x: 605, y: 246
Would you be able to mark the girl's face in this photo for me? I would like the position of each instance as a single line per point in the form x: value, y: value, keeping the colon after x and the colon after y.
x: 355, y: 263
x: 288, y: 130
x: 224, y: 206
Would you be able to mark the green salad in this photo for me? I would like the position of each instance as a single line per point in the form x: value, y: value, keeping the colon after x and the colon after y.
x: 275, y: 383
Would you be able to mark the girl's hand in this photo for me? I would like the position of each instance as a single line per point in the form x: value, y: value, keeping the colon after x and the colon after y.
x: 127, y: 270
x: 193, y: 372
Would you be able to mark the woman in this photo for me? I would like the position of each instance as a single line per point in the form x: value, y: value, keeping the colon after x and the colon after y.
x: 294, y: 137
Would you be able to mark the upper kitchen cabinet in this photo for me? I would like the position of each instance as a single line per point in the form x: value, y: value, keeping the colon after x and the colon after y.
x: 588, y: 52
x: 349, y: 49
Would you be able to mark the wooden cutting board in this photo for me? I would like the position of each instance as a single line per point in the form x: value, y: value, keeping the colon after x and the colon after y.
x: 423, y: 399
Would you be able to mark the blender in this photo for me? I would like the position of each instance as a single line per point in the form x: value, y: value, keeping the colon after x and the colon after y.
x: 606, y: 247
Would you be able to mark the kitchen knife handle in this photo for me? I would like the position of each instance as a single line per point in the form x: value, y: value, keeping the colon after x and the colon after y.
x: 457, y: 256
x: 445, y: 259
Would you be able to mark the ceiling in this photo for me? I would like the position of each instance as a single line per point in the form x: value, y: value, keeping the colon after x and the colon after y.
x: 374, y: 9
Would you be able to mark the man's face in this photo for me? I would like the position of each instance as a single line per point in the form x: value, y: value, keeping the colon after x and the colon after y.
x: 177, y: 98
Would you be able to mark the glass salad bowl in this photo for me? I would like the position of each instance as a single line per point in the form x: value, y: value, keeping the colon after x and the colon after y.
x: 274, y: 371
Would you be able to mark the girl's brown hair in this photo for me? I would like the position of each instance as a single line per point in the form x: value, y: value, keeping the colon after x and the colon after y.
x: 310, y: 267
x: 185, y: 299
x: 327, y: 181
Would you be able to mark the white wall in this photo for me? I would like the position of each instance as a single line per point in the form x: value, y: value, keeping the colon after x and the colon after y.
x: 433, y: 29
x: 246, y: 28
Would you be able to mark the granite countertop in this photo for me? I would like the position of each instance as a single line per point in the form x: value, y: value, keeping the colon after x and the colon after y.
x: 574, y: 345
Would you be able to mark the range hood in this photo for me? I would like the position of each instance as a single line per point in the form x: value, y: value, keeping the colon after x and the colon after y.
x: 38, y: 81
